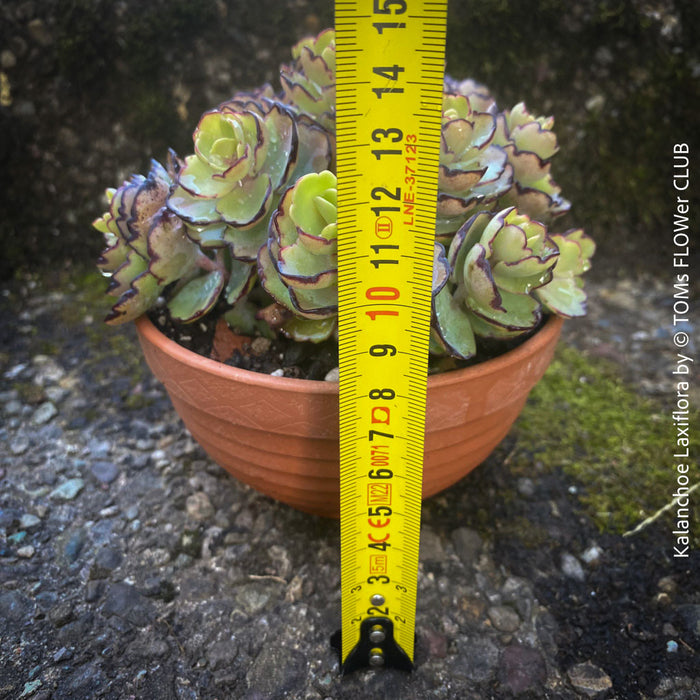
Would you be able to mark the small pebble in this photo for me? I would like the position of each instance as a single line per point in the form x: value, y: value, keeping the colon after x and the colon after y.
x: 571, y: 567
x: 28, y: 521
x: 667, y: 584
x: 26, y: 552
x: 15, y: 371
x: 158, y: 456
x: 105, y: 472
x: 260, y: 346
x: 592, y: 555
x: 589, y: 679
x: 132, y: 512
x: 63, y: 654
x: 19, y: 446
x: 44, y: 413
x: 56, y: 394
x: 333, y: 375
x: 68, y: 490
x: 99, y: 448
x: 199, y: 506
x: 7, y: 59
x: 13, y: 407
x: 671, y: 646
x: 526, y: 487
x: 503, y: 618
x: 277, y: 373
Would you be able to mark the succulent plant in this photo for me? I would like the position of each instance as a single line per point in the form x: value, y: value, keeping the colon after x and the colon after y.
x: 474, y: 172
x: 480, y: 97
x: 147, y: 248
x: 299, y: 266
x: 226, y: 190
x: 309, y: 82
x: 564, y: 294
x: 496, y: 263
x: 247, y: 223
x: 530, y: 145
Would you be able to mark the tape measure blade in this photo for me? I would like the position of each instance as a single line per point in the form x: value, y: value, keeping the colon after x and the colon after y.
x: 388, y: 112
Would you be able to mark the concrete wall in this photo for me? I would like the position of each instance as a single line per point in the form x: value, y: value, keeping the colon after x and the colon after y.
x: 91, y: 90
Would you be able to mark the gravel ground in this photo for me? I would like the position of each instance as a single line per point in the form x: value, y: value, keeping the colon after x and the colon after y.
x: 131, y: 566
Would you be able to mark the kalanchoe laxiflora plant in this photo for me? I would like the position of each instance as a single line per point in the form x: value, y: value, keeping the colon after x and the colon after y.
x: 298, y: 266
x: 502, y: 273
x: 474, y: 172
x: 246, y: 224
x: 147, y: 246
x: 530, y: 145
x: 309, y: 83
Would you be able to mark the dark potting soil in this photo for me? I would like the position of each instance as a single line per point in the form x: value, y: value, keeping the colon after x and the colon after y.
x: 292, y: 358
x: 264, y: 355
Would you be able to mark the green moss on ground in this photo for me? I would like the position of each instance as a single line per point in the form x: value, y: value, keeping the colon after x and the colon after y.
x: 616, y: 445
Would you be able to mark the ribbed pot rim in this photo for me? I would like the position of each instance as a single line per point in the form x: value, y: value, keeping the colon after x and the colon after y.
x: 243, y: 376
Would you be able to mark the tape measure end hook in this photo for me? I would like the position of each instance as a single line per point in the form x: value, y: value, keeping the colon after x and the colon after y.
x: 377, y: 648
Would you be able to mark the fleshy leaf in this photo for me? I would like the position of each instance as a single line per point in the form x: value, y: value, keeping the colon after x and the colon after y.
x: 564, y: 297
x: 453, y: 326
x: 197, y: 297
x: 315, y: 331
x: 247, y: 203
x: 240, y: 280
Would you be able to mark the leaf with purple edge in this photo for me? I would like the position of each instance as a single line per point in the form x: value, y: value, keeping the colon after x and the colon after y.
x: 197, y: 297
x: 198, y: 211
x: 199, y: 180
x: 148, y: 201
x: 453, y: 325
x: 564, y: 297
x: 172, y: 254
x: 441, y: 268
x: 136, y: 300
x: 240, y: 281
x: 247, y: 203
x: 519, y: 312
x: 315, y: 148
x: 245, y: 242
x: 315, y: 302
x: 270, y: 279
x: 282, y: 144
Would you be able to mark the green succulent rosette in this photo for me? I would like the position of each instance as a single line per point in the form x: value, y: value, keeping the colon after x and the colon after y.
x: 224, y: 190
x: 496, y: 263
x: 309, y: 82
x: 474, y: 171
x: 564, y: 294
x: 299, y: 265
x: 147, y: 246
x: 243, y: 158
x: 530, y: 144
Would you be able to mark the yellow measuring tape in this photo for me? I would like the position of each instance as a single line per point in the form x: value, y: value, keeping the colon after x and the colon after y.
x: 389, y: 84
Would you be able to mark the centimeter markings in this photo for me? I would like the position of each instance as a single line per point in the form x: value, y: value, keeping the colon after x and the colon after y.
x: 390, y: 61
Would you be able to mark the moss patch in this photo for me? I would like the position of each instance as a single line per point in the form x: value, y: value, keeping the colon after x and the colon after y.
x: 616, y: 445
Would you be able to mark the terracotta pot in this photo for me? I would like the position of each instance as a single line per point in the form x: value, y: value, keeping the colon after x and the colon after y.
x: 280, y: 435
